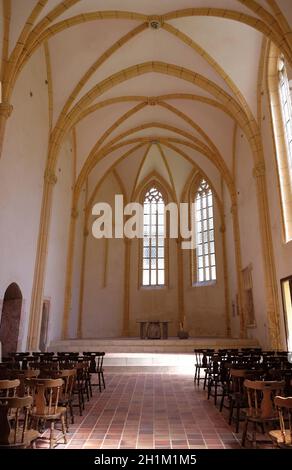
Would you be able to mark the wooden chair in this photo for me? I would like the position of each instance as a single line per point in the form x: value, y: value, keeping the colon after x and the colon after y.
x: 66, y: 395
x: 14, y: 432
x: 200, y: 364
x: 22, y: 375
x: 283, y: 437
x: 261, y: 409
x: 80, y: 386
x: 46, y: 395
x: 237, y: 392
x: 8, y: 388
x: 99, y: 370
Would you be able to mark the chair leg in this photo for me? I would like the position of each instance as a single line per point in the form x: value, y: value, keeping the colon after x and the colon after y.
x: 80, y: 402
x: 205, y: 379
x: 215, y: 393
x: 71, y: 411
x: 66, y: 419
x: 64, y: 428
x: 231, y: 411
x: 254, y: 435
x: 87, y: 389
x: 90, y: 387
x: 209, y: 389
x: 222, y: 400
x: 52, y: 434
x: 237, y: 418
x: 244, y: 432
x: 198, y: 376
x: 103, y: 381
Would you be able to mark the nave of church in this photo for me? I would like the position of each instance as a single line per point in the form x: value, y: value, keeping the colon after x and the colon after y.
x: 146, y: 221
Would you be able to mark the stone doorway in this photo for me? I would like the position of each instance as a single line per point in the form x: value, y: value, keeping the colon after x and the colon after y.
x: 10, y: 319
x: 44, y: 326
x: 286, y: 285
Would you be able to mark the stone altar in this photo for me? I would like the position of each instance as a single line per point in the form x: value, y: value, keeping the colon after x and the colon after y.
x: 151, y: 329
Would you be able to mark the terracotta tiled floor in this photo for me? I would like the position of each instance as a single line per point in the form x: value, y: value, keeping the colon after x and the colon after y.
x: 145, y: 411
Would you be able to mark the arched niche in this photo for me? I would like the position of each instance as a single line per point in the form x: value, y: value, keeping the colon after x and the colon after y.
x: 10, y: 318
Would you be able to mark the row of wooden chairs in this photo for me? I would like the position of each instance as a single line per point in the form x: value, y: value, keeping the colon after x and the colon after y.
x: 20, y: 416
x: 44, y: 391
x: 251, y: 383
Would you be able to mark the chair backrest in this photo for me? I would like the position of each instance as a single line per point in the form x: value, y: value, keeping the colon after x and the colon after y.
x: 9, y: 387
x: 284, y: 406
x: 68, y: 376
x: 261, y: 396
x: 46, y: 394
x: 14, y: 413
x: 99, y: 361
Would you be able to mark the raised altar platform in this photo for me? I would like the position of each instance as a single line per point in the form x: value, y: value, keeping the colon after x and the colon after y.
x: 135, y: 345
x: 141, y: 355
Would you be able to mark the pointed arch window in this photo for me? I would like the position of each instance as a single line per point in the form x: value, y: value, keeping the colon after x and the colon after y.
x: 205, y: 234
x: 279, y: 88
x: 286, y: 107
x: 153, y: 268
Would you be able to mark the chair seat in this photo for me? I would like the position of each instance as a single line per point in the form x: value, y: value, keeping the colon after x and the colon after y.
x: 253, y: 416
x: 29, y: 436
x: 238, y: 399
x: 47, y: 415
x: 277, y: 437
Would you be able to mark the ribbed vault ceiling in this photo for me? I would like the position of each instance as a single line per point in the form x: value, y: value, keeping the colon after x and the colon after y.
x: 141, y: 99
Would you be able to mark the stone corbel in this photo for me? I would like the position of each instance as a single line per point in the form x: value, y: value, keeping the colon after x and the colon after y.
x: 50, y: 177
x: 233, y: 208
x: 6, y: 109
x: 259, y: 170
x: 74, y: 213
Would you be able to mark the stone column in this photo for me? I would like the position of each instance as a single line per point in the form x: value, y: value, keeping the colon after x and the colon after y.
x: 226, y: 285
x: 127, y: 273
x: 81, y: 292
x: 69, y: 268
x: 50, y: 180
x: 238, y: 261
x: 272, y: 299
x: 5, y: 113
x: 180, y: 282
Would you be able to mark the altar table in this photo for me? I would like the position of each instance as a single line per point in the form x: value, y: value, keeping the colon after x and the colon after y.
x: 152, y: 329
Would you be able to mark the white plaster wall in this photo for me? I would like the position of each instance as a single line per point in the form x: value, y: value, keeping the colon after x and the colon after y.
x: 205, y: 304
x: 160, y: 303
x: 103, y: 303
x: 251, y: 246
x: 282, y: 250
x: 58, y: 240
x: 76, y: 273
x: 21, y: 181
x: 1, y: 28
x: 231, y: 266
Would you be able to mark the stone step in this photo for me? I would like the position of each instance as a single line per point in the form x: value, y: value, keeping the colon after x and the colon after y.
x: 137, y: 345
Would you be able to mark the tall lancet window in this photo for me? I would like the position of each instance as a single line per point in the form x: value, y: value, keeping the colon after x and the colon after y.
x: 286, y: 105
x: 205, y: 236
x: 153, y: 239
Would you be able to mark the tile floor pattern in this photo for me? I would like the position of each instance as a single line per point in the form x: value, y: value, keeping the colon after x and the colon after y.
x: 150, y: 411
